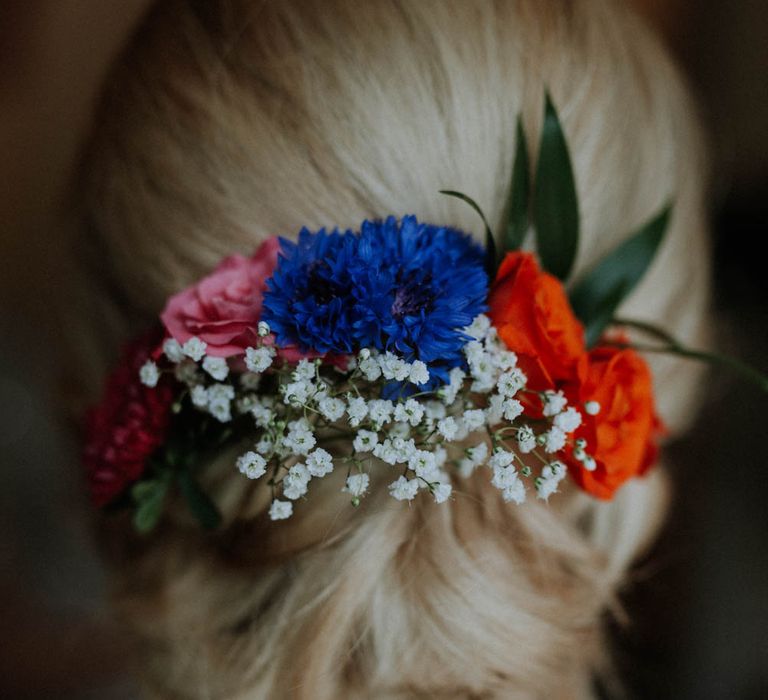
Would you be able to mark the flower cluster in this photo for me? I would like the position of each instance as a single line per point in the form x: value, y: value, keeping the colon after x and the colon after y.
x: 422, y: 436
x: 534, y: 318
x: 371, y: 353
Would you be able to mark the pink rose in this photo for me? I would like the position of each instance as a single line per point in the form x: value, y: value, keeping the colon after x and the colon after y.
x: 224, y: 308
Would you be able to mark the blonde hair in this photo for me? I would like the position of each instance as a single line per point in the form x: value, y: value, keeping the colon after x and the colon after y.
x: 227, y: 122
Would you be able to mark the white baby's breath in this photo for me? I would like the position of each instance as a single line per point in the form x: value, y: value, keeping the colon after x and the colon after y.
x: 252, y: 465
x: 423, y: 435
x: 259, y: 359
x: 220, y: 397
x: 478, y: 329
x: 357, y: 484
x: 199, y: 396
x: 280, y: 510
x: 568, y: 420
x: 409, y: 412
x: 511, y: 382
x: 172, y: 350
x: 357, y: 410
x: 296, y: 481
x: 331, y: 408
x: 300, y: 438
x: 513, y: 409
x: 149, y: 375
x: 447, y: 427
x: 304, y: 370
x: 393, y: 367
x: 369, y: 367
x: 423, y: 464
x: 473, y: 419
x: 554, y: 440
x: 365, y: 441
x: 526, y: 439
x: 554, y: 402
x: 442, y: 492
x: 319, y: 462
x: 380, y: 411
x: 404, y: 489
x: 263, y: 415
x: 419, y: 373
x: 515, y: 492
x: 217, y: 367
x: 195, y: 349
x: 501, y: 458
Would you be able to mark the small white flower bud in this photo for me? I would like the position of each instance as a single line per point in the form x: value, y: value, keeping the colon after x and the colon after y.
x: 263, y: 329
x: 592, y: 408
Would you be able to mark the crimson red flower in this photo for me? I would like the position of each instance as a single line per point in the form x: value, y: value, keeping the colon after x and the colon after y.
x: 129, y: 424
x: 622, y: 436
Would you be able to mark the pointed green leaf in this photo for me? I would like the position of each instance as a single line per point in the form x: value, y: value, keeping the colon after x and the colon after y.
x: 490, y: 243
x: 555, y: 205
x: 597, y: 296
x: 149, y: 497
x: 602, y: 316
x: 521, y: 187
x: 202, y: 507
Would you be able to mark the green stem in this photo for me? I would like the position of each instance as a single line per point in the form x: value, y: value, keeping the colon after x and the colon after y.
x: 648, y: 328
x: 673, y: 347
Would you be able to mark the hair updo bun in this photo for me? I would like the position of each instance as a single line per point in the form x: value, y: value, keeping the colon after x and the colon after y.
x: 230, y: 121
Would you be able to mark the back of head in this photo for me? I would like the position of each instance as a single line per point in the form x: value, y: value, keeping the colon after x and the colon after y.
x: 230, y: 121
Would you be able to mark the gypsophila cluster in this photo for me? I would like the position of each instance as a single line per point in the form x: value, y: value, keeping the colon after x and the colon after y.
x: 419, y: 437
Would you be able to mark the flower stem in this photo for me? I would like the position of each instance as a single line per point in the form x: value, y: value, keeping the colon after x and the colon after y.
x: 674, y: 347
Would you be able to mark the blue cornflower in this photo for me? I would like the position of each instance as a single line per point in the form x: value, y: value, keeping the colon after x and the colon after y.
x: 308, y: 298
x: 416, y: 286
x: 401, y: 286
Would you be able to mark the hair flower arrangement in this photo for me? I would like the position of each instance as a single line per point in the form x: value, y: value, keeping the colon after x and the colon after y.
x: 410, y: 340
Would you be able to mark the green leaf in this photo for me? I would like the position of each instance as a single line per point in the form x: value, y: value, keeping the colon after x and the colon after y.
x: 149, y: 497
x: 521, y: 187
x: 602, y: 317
x: 202, y: 507
x: 597, y: 296
x: 555, y: 205
x: 490, y: 243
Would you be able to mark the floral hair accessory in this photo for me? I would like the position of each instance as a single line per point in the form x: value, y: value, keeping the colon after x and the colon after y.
x: 406, y: 342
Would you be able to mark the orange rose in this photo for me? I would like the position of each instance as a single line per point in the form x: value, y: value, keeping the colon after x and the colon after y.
x: 622, y: 436
x: 534, y: 318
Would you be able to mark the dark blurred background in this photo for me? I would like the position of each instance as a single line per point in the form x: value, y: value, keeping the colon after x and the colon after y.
x: 699, y: 610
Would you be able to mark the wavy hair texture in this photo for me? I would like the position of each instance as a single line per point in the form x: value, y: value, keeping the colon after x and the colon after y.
x: 230, y: 121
